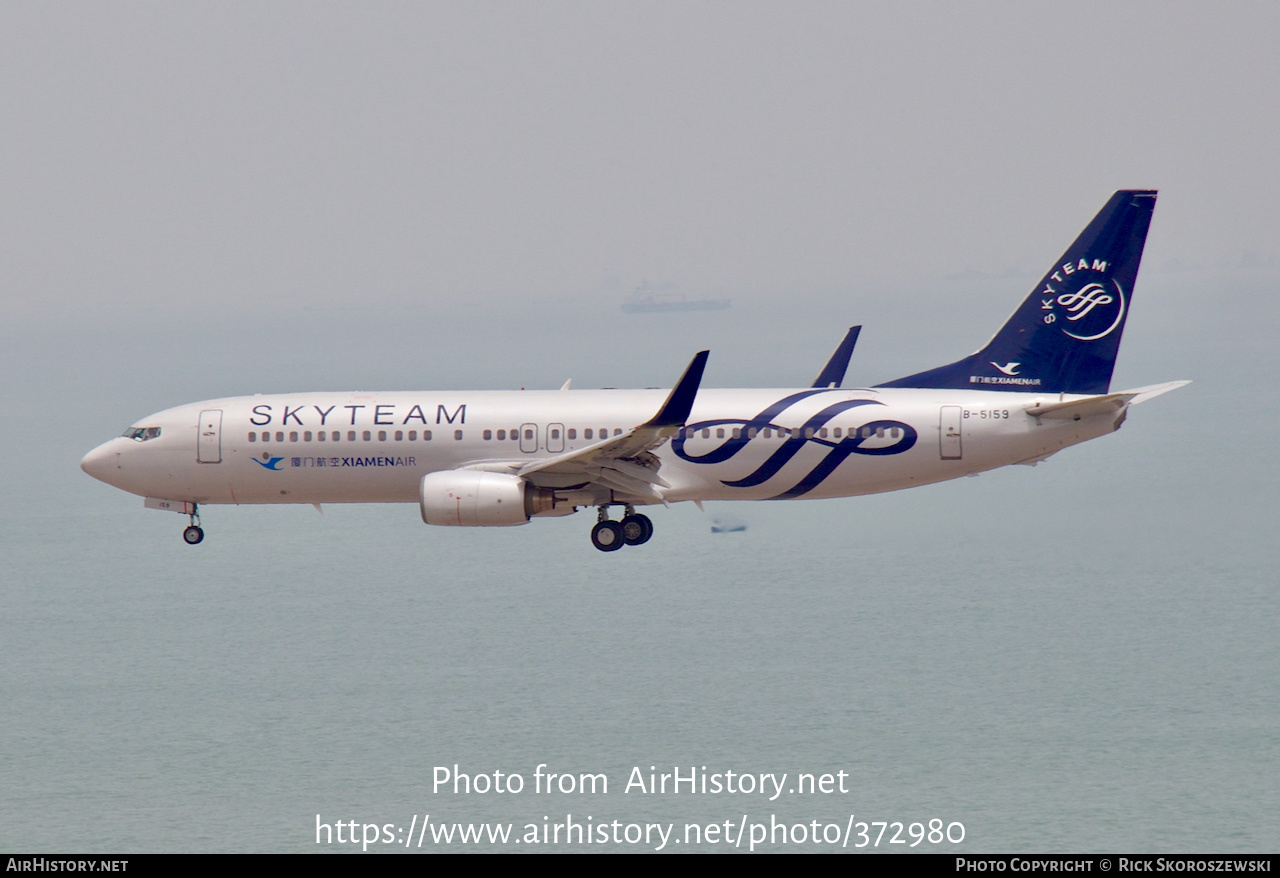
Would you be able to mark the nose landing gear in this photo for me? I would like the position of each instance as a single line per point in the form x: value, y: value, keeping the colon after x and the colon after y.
x: 610, y: 536
x: 194, y: 533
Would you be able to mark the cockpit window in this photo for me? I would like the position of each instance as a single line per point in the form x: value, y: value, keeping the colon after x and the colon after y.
x: 141, y: 434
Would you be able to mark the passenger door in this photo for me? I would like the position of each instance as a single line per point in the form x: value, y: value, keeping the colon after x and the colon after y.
x: 209, y: 445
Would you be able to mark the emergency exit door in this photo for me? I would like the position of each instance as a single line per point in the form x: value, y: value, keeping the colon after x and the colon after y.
x: 528, y: 438
x: 949, y: 432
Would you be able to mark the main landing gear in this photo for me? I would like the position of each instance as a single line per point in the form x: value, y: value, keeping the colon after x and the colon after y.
x: 610, y: 536
x: 194, y: 532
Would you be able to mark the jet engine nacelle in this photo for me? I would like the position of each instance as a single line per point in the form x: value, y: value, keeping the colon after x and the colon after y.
x: 475, y: 498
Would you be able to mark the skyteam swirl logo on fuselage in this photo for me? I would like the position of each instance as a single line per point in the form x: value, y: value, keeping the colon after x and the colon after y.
x: 854, y: 442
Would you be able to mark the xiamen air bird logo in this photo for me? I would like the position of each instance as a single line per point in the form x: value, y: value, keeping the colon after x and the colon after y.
x: 1009, y: 369
x: 1092, y: 311
x: 271, y: 463
x: 876, y: 437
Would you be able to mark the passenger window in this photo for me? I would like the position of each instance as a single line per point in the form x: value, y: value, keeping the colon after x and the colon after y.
x: 528, y: 434
x: 706, y: 434
x: 293, y: 435
x: 351, y: 435
x: 367, y: 436
x: 837, y: 432
x: 382, y: 435
x: 426, y: 435
x: 573, y: 434
x: 751, y: 432
x: 555, y: 434
x: 279, y: 435
x: 487, y: 434
x: 737, y: 432
x: 253, y: 437
x: 822, y: 433
x: 808, y: 432
x: 322, y: 435
x: 306, y: 436
x: 719, y: 432
x: 457, y: 434
x: 399, y: 435
x: 502, y: 434
x: 413, y: 435
x: 894, y: 432
x: 587, y: 433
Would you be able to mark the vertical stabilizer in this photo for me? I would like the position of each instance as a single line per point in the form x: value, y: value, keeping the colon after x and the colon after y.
x: 1064, y: 338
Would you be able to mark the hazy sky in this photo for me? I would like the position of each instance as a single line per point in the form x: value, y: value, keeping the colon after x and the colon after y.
x: 244, y: 158
x: 201, y: 200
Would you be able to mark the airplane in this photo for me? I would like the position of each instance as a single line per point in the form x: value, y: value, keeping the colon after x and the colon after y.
x: 502, y: 458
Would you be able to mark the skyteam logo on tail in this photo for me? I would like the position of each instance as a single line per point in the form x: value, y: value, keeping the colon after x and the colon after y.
x: 1064, y: 336
x: 1084, y: 306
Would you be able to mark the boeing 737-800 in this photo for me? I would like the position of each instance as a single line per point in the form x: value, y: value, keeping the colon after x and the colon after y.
x: 499, y: 458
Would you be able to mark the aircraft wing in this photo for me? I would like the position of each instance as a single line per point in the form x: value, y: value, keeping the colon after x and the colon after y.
x: 625, y: 463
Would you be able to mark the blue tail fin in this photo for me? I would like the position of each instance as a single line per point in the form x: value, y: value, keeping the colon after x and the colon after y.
x: 1065, y: 336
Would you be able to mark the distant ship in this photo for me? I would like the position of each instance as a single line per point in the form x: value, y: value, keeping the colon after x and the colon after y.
x: 727, y: 526
x: 650, y: 299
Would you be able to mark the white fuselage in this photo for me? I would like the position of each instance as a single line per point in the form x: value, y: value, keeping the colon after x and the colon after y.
x: 745, y: 444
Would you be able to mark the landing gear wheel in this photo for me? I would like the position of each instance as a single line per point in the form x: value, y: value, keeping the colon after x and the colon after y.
x: 607, y: 536
x: 193, y: 535
x: 636, y: 529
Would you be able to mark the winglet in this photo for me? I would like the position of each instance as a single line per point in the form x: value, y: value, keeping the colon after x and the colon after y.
x: 832, y: 374
x: 675, y: 411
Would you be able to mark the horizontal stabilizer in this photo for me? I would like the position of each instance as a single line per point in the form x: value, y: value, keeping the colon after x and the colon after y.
x: 1101, y: 405
x: 1081, y: 408
x: 1142, y: 394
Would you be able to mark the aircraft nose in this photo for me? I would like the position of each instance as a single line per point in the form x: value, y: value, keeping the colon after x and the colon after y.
x: 103, y: 463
